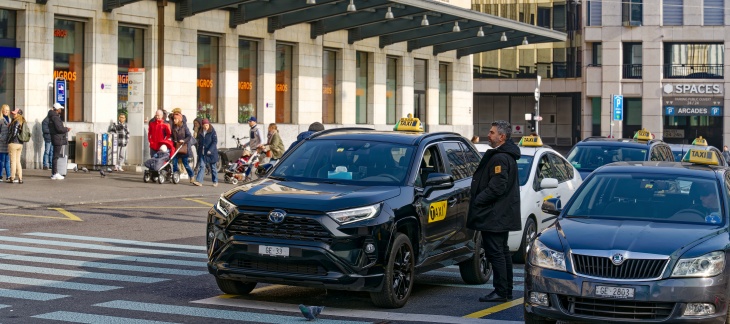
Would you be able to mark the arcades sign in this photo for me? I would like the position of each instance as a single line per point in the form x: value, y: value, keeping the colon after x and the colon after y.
x: 693, y: 99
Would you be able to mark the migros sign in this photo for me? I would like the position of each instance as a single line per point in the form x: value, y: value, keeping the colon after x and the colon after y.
x: 693, y: 88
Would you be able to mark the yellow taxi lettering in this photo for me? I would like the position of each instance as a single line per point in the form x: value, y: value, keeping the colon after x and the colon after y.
x: 437, y: 211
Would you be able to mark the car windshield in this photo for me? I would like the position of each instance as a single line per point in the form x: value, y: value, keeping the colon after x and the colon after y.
x: 661, y: 198
x: 524, y: 164
x: 589, y: 158
x: 358, y: 162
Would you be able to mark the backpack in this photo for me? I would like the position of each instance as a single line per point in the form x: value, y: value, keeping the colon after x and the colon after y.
x: 24, y: 135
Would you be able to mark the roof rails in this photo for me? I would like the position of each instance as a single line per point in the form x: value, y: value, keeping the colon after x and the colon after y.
x: 335, y: 130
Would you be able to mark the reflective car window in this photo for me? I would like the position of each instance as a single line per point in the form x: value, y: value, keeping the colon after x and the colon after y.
x: 524, y: 164
x: 544, y: 170
x: 430, y: 163
x: 457, y: 160
x: 348, y: 161
x: 589, y: 158
x: 665, y: 198
x: 561, y: 170
x: 472, y: 158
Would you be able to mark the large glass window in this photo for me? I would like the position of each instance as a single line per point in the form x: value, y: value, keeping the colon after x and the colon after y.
x: 391, y: 90
x: 673, y: 12
x: 632, y: 119
x: 247, y: 73
x: 443, y: 94
x: 362, y: 84
x: 68, y: 63
x: 208, y: 77
x: 700, y: 61
x: 329, y: 82
x: 596, y: 116
x: 597, y: 54
x: 7, y: 64
x: 420, y: 83
x: 632, y: 12
x: 595, y: 13
x: 131, y: 56
x: 632, y: 68
x: 284, y: 72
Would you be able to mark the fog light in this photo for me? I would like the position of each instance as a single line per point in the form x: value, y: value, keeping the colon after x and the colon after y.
x: 369, y: 248
x: 696, y: 309
x: 538, y: 298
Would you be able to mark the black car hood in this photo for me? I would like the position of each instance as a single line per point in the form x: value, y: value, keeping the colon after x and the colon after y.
x: 309, y: 195
x: 630, y: 235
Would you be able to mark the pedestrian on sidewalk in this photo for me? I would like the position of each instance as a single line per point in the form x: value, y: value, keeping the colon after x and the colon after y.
x: 59, y: 138
x: 197, y: 126
x: 726, y: 154
x: 122, y: 132
x: 47, y: 145
x: 207, y: 153
x: 4, y: 128
x: 181, y: 137
x: 274, y: 147
x: 15, y: 141
x: 256, y: 136
x: 159, y: 132
x: 494, y: 207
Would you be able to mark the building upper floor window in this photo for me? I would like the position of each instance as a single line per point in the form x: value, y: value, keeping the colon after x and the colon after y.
x: 632, y: 12
x: 694, y: 60
x: 673, y: 12
x: 632, y: 61
x: 714, y: 12
x: 595, y: 12
x: 597, y: 54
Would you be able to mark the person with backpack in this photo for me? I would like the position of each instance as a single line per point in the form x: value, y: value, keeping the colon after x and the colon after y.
x: 59, y: 138
x: 18, y: 134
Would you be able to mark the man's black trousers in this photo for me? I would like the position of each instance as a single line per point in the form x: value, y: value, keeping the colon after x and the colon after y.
x: 497, y: 251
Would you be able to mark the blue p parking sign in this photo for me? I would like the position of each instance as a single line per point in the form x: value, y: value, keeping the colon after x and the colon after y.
x: 618, y: 107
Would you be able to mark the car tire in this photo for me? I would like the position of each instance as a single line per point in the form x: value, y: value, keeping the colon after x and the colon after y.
x: 235, y: 287
x: 399, y: 275
x: 528, y: 235
x: 476, y: 270
x: 531, y: 318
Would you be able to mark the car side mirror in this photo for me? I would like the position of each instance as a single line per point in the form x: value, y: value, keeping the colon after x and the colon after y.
x: 264, y: 169
x: 552, y: 206
x: 549, y: 183
x: 438, y: 181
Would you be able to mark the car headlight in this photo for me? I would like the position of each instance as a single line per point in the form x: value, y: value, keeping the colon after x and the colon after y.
x: 708, y: 265
x: 355, y: 214
x: 544, y: 257
x: 224, y: 206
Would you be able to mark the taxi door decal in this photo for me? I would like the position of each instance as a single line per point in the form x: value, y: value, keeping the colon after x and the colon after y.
x: 437, y: 211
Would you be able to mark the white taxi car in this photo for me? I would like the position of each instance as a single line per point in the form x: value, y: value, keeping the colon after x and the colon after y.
x: 544, y: 173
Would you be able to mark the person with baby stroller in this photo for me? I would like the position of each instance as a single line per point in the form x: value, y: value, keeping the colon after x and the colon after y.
x: 182, y: 138
x: 241, y: 169
x: 159, y: 166
x: 207, y: 153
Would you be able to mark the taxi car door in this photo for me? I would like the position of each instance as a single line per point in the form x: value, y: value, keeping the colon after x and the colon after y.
x: 461, y: 163
x: 536, y: 195
x: 438, y: 209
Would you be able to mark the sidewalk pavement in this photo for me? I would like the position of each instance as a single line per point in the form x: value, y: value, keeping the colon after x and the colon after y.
x: 78, y: 188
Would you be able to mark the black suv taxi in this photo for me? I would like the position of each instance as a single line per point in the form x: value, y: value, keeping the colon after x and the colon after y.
x: 352, y: 209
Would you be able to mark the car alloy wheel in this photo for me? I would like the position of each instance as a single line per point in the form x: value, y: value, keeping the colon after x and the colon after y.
x: 528, y: 235
x: 476, y: 270
x: 399, y: 275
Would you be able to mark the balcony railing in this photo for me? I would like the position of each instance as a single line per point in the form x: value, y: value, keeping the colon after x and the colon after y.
x: 694, y: 71
x: 545, y: 70
x: 632, y: 71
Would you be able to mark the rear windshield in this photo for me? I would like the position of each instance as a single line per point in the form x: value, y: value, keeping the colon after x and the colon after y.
x: 589, y: 158
x: 665, y: 198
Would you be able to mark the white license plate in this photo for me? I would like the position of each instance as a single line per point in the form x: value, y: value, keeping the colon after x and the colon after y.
x: 615, y: 292
x: 276, y: 251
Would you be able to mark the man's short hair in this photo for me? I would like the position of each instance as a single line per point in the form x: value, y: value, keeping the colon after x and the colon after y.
x: 503, y: 127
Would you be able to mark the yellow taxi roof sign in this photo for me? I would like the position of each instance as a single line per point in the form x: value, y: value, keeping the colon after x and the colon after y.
x: 643, y: 135
x: 409, y: 123
x: 530, y: 140
x: 706, y: 157
x: 700, y: 141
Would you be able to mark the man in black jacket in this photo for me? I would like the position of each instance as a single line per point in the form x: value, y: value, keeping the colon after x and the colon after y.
x: 59, y: 138
x: 494, y: 208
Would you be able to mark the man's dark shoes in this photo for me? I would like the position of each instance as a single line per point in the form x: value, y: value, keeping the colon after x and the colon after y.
x: 492, y: 297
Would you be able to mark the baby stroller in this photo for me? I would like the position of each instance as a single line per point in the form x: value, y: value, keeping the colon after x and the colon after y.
x: 159, y: 167
x: 236, y: 171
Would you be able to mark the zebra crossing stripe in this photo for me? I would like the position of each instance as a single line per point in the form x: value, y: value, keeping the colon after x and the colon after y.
x: 78, y: 274
x: 118, y: 241
x: 212, y: 313
x: 4, y: 306
x: 29, y: 295
x: 101, y: 265
x: 104, y: 247
x: 93, y: 319
x: 55, y: 284
x: 115, y: 257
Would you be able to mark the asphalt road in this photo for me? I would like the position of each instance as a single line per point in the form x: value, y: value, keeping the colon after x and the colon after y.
x: 140, y: 258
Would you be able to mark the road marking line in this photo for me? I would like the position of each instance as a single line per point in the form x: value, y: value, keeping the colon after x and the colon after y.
x: 351, y: 313
x: 144, y: 207
x: 487, y: 285
x: 101, y: 265
x: 67, y: 214
x: 55, y: 284
x: 104, y: 247
x: 199, y: 201
x: 115, y: 257
x: 93, y: 319
x: 29, y: 295
x: 4, y: 306
x: 111, y: 240
x: 494, y: 309
x: 214, y: 313
x: 520, y: 271
x: 78, y: 274
x: 34, y: 216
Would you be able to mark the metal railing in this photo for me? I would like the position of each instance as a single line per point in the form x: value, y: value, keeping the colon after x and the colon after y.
x: 694, y: 71
x: 545, y: 70
x: 632, y: 71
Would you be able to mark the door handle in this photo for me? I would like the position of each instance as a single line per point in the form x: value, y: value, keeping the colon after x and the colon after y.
x: 452, y: 201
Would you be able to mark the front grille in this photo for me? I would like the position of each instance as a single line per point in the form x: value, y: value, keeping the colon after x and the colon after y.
x: 281, y: 266
x: 602, y: 267
x: 616, y: 309
x: 293, y: 228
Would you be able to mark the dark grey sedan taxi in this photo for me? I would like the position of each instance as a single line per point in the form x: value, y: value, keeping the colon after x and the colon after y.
x: 638, y: 242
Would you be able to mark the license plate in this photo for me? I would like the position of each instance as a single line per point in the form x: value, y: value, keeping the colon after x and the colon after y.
x: 615, y: 292
x: 276, y: 251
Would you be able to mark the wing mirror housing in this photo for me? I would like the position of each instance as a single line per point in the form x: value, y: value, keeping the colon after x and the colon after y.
x: 438, y: 181
x: 264, y: 169
x: 552, y: 206
x: 549, y: 183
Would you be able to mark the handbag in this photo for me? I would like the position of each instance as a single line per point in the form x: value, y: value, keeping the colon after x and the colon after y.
x: 182, y: 149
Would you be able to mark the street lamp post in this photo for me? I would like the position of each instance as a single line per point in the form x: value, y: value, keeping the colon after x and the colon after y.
x: 537, y: 106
